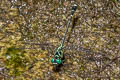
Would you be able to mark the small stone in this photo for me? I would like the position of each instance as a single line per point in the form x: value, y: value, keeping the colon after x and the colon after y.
x: 8, y: 57
x: 13, y: 37
x: 64, y: 17
x: 1, y: 69
x: 75, y: 63
x: 41, y: 59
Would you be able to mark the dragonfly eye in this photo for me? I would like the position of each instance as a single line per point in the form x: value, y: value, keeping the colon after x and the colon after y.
x: 52, y: 60
x: 58, y: 61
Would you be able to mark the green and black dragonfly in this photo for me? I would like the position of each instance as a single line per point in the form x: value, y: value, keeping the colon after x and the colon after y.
x: 59, y: 56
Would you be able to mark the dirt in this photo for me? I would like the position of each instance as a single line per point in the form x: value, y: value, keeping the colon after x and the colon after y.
x: 92, y: 46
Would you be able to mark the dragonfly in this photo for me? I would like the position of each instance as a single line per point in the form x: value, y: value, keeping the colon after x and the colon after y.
x: 58, y: 58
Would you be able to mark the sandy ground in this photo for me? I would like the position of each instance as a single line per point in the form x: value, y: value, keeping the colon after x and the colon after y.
x: 36, y: 27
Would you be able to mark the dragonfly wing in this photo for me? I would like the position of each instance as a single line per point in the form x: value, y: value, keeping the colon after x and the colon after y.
x: 78, y: 48
x: 31, y: 45
x: 88, y: 53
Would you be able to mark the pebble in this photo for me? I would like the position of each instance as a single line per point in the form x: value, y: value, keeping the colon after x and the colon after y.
x: 13, y: 37
x: 1, y: 69
x: 41, y: 59
x: 75, y: 63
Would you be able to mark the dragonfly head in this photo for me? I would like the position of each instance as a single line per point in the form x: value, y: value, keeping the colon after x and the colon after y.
x: 56, y: 61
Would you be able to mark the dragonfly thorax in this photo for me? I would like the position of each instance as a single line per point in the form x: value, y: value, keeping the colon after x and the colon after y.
x: 58, y: 54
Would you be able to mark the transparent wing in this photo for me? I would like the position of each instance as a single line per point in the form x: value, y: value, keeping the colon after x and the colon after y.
x: 74, y: 48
